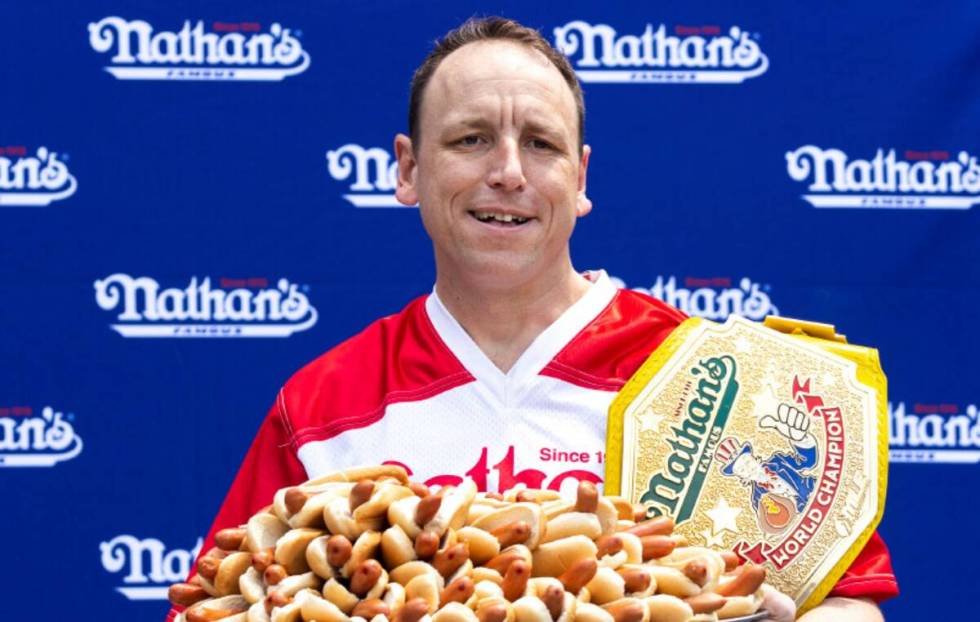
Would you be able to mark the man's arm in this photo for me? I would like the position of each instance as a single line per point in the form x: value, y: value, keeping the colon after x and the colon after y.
x: 844, y: 610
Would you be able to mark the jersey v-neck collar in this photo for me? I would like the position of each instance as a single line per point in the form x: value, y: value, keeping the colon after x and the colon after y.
x: 509, y: 387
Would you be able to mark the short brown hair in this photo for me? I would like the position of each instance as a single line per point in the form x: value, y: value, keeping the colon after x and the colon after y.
x: 484, y: 29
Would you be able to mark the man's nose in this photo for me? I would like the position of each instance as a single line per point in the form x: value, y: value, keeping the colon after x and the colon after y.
x: 506, y: 170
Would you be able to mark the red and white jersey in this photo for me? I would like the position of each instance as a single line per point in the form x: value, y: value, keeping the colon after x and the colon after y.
x: 417, y: 391
x: 414, y: 389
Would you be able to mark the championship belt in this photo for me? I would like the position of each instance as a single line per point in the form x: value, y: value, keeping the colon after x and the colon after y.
x: 770, y: 440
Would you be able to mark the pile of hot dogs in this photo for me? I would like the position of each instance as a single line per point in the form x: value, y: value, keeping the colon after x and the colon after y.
x: 368, y: 545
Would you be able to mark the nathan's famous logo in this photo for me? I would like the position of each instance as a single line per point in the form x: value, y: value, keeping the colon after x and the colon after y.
x: 934, y: 433
x: 920, y: 180
x: 507, y: 474
x: 675, y: 490
x: 373, y: 172
x: 712, y: 298
x: 231, y: 308
x: 682, y: 54
x: 225, y: 51
x: 36, y: 440
x: 33, y: 180
x: 150, y: 568
x: 791, y: 492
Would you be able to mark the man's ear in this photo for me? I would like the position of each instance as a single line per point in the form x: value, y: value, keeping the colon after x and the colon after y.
x: 406, y: 191
x: 583, y: 204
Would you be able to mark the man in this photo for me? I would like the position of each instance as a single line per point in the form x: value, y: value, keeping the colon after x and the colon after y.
x: 506, y: 371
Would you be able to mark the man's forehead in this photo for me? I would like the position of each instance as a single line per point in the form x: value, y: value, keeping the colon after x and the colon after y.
x: 486, y: 68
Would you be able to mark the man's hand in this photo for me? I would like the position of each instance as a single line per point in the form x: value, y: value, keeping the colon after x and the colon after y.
x: 789, y: 421
x: 781, y: 607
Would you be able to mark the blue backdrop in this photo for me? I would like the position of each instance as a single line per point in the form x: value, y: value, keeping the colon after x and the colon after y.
x: 194, y: 202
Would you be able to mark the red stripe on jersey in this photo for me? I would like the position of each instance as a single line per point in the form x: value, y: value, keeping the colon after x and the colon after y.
x: 609, y: 350
x: 399, y: 358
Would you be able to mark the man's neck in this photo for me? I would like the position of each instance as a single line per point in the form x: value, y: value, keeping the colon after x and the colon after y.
x: 504, y: 323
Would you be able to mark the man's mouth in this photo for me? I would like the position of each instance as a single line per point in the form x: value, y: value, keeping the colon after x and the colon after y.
x: 499, y: 218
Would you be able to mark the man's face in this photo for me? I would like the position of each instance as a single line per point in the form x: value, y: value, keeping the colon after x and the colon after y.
x: 497, y: 174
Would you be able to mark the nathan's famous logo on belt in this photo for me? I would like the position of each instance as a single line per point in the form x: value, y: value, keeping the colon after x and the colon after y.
x: 758, y: 442
x: 675, y: 489
x: 34, y: 180
x: 224, y: 51
x: 227, y: 308
x: 30, y: 439
x: 917, y: 180
x: 678, y: 54
x: 372, y: 171
x: 936, y: 433
x: 713, y: 298
x: 148, y: 566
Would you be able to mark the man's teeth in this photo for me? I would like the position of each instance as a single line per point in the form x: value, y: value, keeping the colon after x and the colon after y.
x: 488, y: 216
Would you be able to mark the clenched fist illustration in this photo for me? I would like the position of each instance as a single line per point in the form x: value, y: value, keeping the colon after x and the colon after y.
x: 789, y: 421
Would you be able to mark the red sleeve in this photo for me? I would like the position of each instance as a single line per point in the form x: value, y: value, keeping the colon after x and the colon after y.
x: 269, y: 465
x: 870, y: 575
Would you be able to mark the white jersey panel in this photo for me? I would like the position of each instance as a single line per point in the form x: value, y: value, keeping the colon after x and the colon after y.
x: 552, y: 438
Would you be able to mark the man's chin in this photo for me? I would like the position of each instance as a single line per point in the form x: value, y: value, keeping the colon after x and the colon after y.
x: 498, y: 271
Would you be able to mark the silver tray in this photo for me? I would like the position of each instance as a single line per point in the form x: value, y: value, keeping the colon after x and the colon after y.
x: 758, y: 615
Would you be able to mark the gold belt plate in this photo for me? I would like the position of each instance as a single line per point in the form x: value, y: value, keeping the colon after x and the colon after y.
x: 770, y: 442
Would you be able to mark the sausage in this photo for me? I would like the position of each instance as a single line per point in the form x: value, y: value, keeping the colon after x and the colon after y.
x: 262, y: 559
x: 587, y: 497
x: 365, y: 576
x: 339, y: 550
x: 295, y: 499
x: 515, y: 580
x: 277, y: 599
x: 579, y: 574
x: 427, y: 509
x: 512, y: 533
x: 657, y: 526
x: 627, y: 610
x: 492, y: 612
x: 360, y: 493
x: 426, y: 544
x: 747, y: 580
x: 207, y: 567
x: 448, y: 561
x: 412, y: 611
x: 635, y: 579
x: 459, y: 591
x: 186, y: 594
x: 502, y: 562
x: 655, y: 547
x: 554, y: 599
x: 230, y: 539
x: 731, y: 560
x: 608, y: 545
x: 274, y: 573
x: 696, y: 570
x: 639, y: 513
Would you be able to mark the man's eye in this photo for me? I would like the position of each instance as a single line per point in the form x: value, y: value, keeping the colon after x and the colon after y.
x: 470, y: 141
x: 538, y: 143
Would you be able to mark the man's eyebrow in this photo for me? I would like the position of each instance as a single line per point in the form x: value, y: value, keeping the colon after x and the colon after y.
x: 546, y: 129
x: 467, y: 122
